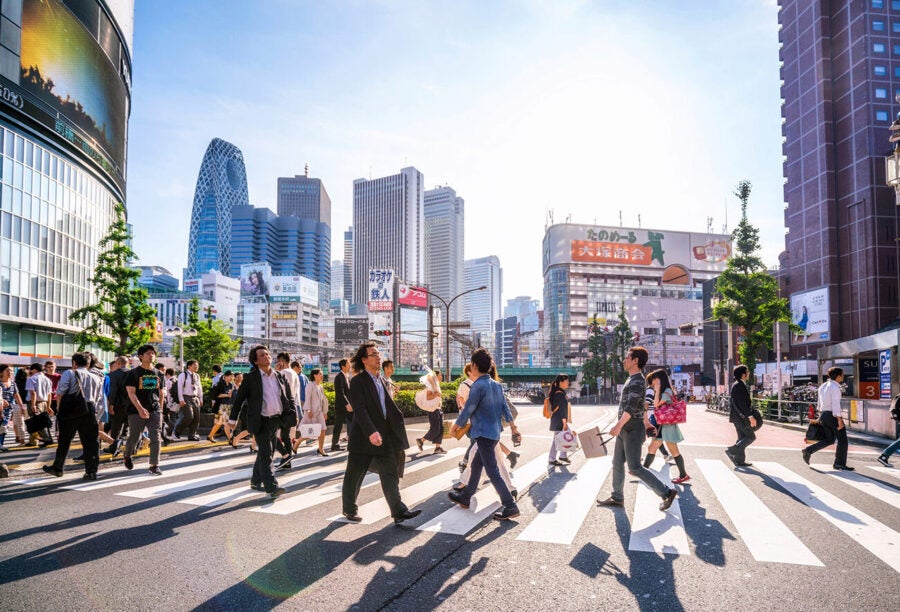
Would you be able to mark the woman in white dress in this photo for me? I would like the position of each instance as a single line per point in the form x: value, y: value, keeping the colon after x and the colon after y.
x: 315, y: 410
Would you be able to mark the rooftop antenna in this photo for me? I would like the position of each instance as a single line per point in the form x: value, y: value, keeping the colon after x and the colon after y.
x: 725, y: 227
x: 306, y: 170
x: 639, y: 220
x: 709, y: 225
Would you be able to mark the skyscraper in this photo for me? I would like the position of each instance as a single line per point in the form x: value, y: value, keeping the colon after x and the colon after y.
x: 221, y: 185
x: 305, y: 198
x: 388, y: 226
x: 444, y: 244
x: 839, y: 75
x: 337, y: 279
x: 348, y: 265
x: 482, y: 308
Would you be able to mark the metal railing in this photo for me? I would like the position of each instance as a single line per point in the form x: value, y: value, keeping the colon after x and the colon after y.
x: 790, y: 411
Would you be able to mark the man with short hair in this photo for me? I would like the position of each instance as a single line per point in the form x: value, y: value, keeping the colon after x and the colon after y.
x: 50, y: 372
x: 829, y: 406
x: 117, y: 403
x: 217, y: 375
x: 283, y: 442
x: 304, y: 380
x: 740, y: 413
x: 629, y: 433
x: 144, y: 386
x: 387, y: 369
x: 38, y: 391
x: 190, y: 398
x: 343, y: 411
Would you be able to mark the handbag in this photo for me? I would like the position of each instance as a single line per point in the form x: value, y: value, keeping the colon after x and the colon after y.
x: 565, y: 441
x: 815, y: 431
x: 593, y: 444
x: 671, y: 413
x: 309, y: 430
x: 73, y: 405
x: 38, y: 422
x: 461, y: 431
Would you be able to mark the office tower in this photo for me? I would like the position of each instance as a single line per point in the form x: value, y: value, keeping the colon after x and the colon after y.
x: 526, y: 312
x: 348, y: 265
x: 221, y: 185
x: 444, y: 245
x: 337, y: 279
x: 305, y: 198
x: 63, y: 145
x: 156, y: 279
x: 840, y: 75
x: 506, y: 336
x: 482, y: 308
x: 388, y: 228
x: 292, y: 246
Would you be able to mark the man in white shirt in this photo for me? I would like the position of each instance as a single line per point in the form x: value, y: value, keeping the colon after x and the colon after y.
x: 830, y: 416
x: 284, y: 440
x: 38, y: 390
x: 190, y: 398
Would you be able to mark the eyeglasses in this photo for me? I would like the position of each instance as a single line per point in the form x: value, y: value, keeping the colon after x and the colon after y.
x: 373, y: 355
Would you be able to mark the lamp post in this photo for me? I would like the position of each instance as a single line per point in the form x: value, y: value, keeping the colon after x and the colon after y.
x: 892, y: 161
x: 447, y: 322
x: 178, y: 332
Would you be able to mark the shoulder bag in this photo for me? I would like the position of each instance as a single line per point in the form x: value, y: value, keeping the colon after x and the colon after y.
x: 73, y: 405
x: 672, y: 413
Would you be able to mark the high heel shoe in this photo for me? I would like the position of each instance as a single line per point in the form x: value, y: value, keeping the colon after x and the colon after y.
x: 321, y: 453
x: 211, y: 439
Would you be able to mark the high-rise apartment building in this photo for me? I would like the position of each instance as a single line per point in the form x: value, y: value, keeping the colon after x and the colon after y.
x: 840, y: 73
x: 444, y: 245
x: 337, y: 279
x: 304, y: 197
x: 348, y: 265
x: 388, y: 229
x: 221, y: 185
x: 482, y: 308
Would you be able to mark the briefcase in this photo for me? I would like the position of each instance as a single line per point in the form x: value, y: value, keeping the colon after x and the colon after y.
x: 592, y: 443
x: 38, y: 422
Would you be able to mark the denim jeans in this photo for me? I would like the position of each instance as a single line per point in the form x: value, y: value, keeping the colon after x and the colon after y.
x: 628, y: 450
x: 890, y: 450
x: 485, y: 457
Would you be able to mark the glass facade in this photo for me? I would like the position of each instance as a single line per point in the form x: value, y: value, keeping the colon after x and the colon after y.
x: 53, y: 214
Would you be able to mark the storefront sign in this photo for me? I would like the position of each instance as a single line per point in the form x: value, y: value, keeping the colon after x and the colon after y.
x: 884, y: 368
x: 381, y: 290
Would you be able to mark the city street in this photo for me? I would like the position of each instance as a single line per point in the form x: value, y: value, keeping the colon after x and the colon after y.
x: 766, y: 537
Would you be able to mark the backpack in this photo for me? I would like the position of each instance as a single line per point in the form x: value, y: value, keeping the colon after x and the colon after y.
x: 895, y: 410
x: 173, y: 391
x: 547, y: 412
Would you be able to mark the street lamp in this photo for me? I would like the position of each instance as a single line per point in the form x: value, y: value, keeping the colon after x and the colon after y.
x: 447, y: 322
x: 892, y: 161
x: 178, y: 332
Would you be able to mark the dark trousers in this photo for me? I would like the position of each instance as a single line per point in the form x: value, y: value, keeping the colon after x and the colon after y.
x: 341, y: 416
x: 386, y: 465
x: 746, y: 437
x: 117, y: 421
x: 283, y: 440
x: 188, y: 416
x: 435, y: 427
x: 86, y: 428
x: 830, y: 423
x: 485, y: 457
x: 265, y: 444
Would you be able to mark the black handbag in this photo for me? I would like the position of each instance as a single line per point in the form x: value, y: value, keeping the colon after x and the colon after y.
x: 73, y: 405
x: 756, y: 414
x: 38, y: 422
x: 815, y: 431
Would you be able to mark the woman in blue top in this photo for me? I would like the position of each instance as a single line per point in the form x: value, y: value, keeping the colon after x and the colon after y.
x: 671, y: 434
x: 559, y: 419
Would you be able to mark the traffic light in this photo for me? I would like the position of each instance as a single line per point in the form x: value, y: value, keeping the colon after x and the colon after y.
x: 382, y: 332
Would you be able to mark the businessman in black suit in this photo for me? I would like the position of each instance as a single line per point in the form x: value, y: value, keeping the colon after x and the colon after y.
x: 269, y: 404
x: 376, y: 434
x: 741, y: 416
x: 343, y: 410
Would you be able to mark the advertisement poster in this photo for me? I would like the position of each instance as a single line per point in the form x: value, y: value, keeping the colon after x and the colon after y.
x: 381, y: 290
x: 255, y: 278
x: 809, y: 311
x: 884, y: 369
x: 293, y: 289
x: 351, y: 329
x: 408, y: 295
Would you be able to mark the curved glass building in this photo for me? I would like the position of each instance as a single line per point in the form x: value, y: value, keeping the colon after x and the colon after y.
x: 221, y: 185
x: 65, y: 97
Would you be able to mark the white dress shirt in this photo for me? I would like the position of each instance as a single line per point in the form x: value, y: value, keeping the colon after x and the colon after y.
x: 189, y: 385
x: 830, y: 398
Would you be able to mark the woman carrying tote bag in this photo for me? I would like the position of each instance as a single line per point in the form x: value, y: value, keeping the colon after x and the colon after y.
x: 670, y: 434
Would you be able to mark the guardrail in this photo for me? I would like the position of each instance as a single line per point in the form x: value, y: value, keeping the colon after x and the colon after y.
x: 789, y: 411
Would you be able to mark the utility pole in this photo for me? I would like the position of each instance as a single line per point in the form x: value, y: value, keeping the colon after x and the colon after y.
x: 662, y: 331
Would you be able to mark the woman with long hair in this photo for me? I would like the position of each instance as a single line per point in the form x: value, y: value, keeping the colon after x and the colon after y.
x: 671, y: 434
x: 315, y: 410
x: 559, y: 417
x: 9, y: 400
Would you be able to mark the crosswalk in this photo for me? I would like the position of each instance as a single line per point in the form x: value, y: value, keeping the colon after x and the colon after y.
x: 561, y: 504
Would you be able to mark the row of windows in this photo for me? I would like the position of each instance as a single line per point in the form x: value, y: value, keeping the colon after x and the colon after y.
x: 15, y: 340
x: 879, y: 26
x: 879, y: 4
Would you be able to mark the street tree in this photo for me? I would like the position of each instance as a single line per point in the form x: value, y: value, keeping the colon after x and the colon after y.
x: 213, y: 343
x: 606, y: 349
x: 120, y: 320
x: 623, y: 339
x: 749, y: 299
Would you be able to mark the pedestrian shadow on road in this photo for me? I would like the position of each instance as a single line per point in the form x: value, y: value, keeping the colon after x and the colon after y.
x: 708, y: 535
x: 817, y: 504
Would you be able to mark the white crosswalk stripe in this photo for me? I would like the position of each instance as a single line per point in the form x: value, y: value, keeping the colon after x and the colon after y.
x: 878, y: 490
x: 653, y: 530
x: 887, y: 471
x: 763, y: 533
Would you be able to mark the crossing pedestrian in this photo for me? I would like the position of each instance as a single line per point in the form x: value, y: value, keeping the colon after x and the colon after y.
x: 377, y: 434
x: 387, y: 371
x: 740, y: 414
x: 559, y: 417
x: 629, y: 433
x: 117, y: 403
x: 315, y: 410
x: 285, y: 438
x: 144, y: 386
x: 39, y: 390
x: 343, y: 411
x: 887, y: 453
x: 433, y: 398
x: 829, y: 406
x: 669, y: 433
x: 101, y: 408
x: 9, y: 401
x: 268, y: 402
x: 190, y: 399
x: 221, y: 396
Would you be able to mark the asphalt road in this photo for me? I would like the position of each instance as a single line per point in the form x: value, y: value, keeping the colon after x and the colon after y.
x: 197, y: 538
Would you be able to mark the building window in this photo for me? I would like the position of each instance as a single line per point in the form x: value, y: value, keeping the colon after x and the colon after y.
x: 878, y: 48
x: 880, y: 93
x: 896, y: 26
x: 877, y: 3
x: 878, y: 26
x: 897, y: 72
x: 881, y: 116
x: 895, y: 4
x: 880, y: 71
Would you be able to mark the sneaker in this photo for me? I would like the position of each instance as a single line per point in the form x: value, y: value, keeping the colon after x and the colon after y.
x: 174, y: 437
x: 668, y: 499
x: 507, y: 513
x: 129, y: 464
x: 681, y: 479
x: 194, y: 438
x: 513, y: 460
x: 285, y: 463
x: 155, y: 471
x: 883, y: 461
x: 439, y: 451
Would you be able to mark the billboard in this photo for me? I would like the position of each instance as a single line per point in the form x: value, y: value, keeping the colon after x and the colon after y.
x: 73, y: 80
x: 293, y: 289
x: 351, y: 329
x: 407, y: 295
x: 381, y: 290
x: 255, y: 279
x: 810, y: 311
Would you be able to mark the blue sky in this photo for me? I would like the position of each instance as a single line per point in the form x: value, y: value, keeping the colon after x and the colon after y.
x: 585, y: 109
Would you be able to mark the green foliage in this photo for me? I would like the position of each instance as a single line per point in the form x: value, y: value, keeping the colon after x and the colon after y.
x: 120, y: 320
x: 405, y: 398
x: 749, y: 295
x: 212, y: 345
x: 607, y: 349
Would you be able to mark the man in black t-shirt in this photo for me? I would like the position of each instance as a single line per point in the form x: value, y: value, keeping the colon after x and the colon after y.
x: 144, y: 385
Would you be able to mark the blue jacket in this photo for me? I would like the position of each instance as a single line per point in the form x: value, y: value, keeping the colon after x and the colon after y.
x: 485, y: 407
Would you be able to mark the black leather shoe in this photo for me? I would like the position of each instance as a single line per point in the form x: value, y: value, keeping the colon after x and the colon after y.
x: 79, y: 458
x: 456, y: 498
x: 507, y: 513
x: 257, y: 487
x: 276, y: 492
x: 845, y: 468
x: 409, y: 514
x: 610, y: 502
x: 49, y: 470
x: 89, y: 476
x: 353, y: 518
x: 806, y: 457
x: 667, y: 500
x: 744, y: 464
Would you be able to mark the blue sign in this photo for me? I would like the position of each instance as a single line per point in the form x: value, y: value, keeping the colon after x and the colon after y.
x: 884, y: 370
x: 334, y: 367
x: 676, y: 368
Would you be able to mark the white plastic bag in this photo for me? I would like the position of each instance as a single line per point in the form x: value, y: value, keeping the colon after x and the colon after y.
x: 309, y: 430
x: 566, y: 441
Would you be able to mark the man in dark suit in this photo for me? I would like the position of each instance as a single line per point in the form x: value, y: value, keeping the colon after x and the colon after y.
x: 376, y: 434
x: 117, y: 403
x: 343, y: 410
x: 740, y: 415
x: 269, y: 404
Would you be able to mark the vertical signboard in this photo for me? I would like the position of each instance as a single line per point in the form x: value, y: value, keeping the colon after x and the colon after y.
x: 381, y: 290
x: 868, y: 378
x: 884, y: 370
